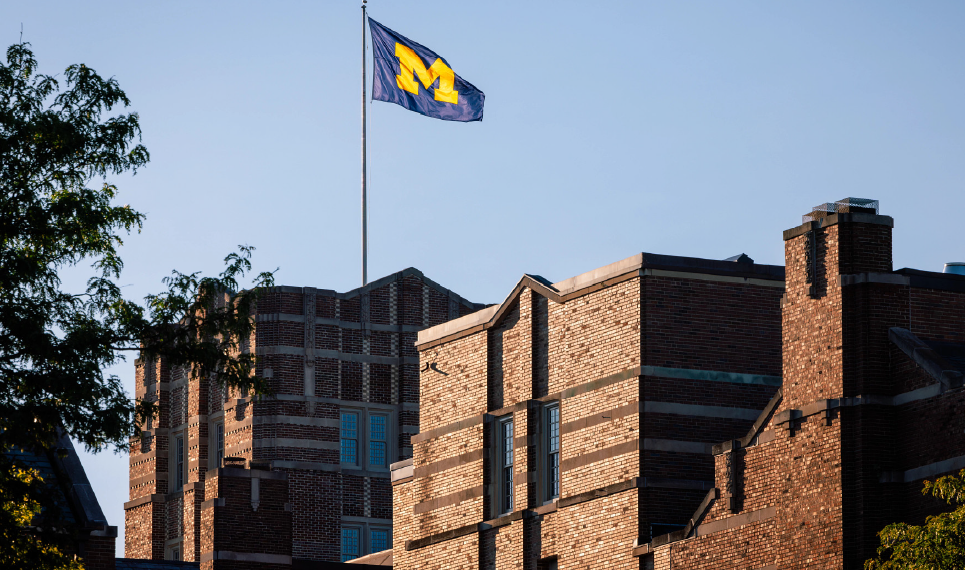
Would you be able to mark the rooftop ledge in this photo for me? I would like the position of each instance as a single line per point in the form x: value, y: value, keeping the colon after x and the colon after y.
x: 638, y: 262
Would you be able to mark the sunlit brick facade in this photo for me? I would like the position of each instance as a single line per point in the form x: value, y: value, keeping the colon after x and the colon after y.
x: 562, y: 425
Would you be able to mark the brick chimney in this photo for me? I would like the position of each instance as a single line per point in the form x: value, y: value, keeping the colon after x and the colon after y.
x: 247, y: 521
x: 841, y: 299
x: 838, y: 240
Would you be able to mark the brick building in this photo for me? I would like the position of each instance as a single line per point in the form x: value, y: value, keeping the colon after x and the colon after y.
x: 561, y: 426
x: 871, y: 405
x: 231, y: 481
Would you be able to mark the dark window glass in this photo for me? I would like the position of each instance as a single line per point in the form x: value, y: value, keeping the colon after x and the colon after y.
x: 350, y: 544
x: 380, y: 540
x: 220, y: 452
x: 553, y: 452
x: 506, y: 454
x: 377, y: 443
x: 179, y: 476
x: 350, y: 438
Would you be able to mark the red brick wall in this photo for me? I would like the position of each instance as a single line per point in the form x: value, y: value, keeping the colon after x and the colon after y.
x: 362, y: 354
x: 98, y: 552
x: 231, y: 523
x: 712, y: 325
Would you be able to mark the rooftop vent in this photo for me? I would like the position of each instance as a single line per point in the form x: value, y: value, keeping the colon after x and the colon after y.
x: 846, y: 205
x: 955, y: 268
x: 742, y: 258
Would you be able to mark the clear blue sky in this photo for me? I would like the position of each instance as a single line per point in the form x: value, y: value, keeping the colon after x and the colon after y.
x: 688, y: 128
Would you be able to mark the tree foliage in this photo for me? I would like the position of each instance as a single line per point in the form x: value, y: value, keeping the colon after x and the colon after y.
x: 937, y: 544
x: 61, y: 139
x: 27, y: 544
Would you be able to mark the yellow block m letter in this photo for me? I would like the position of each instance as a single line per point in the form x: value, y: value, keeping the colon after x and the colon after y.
x: 410, y: 63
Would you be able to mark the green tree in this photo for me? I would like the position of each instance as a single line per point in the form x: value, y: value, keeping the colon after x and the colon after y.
x: 939, y: 544
x: 59, y: 144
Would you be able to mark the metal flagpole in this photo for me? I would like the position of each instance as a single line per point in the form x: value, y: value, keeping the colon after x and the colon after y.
x: 364, y: 216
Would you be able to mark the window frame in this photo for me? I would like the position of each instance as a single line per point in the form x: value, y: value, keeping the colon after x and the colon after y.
x: 364, y: 414
x: 371, y: 535
x: 504, y: 496
x: 547, y: 452
x: 370, y: 440
x: 357, y: 439
x: 359, y: 541
x: 179, y: 461
x: 219, y: 442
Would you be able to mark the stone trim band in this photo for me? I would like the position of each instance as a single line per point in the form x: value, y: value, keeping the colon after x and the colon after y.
x: 448, y: 500
x: 637, y: 371
x: 930, y: 470
x: 712, y: 527
x: 634, y: 483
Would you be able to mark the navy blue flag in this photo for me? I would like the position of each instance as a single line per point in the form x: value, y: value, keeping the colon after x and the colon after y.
x: 413, y: 76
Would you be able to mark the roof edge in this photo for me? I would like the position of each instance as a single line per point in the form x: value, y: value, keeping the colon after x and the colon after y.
x: 76, y: 486
x: 382, y: 281
x: 926, y: 357
x: 560, y: 291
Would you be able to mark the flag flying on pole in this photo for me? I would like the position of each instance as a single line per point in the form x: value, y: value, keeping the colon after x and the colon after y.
x: 413, y: 76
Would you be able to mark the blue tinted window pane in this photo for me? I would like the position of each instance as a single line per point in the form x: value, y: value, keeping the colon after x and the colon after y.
x: 378, y: 428
x: 350, y: 452
x: 350, y: 425
x: 380, y: 540
x: 377, y: 453
x: 350, y: 544
x: 350, y: 434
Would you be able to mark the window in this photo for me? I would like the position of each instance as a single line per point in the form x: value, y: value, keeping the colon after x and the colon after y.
x: 380, y: 540
x: 351, y: 547
x: 219, y: 450
x: 179, y: 450
x: 505, y: 439
x: 175, y: 554
x: 367, y: 439
x: 350, y: 439
x: 377, y: 440
x: 552, y: 415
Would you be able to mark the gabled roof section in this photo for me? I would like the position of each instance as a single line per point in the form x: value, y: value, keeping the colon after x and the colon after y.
x: 64, y: 474
x: 943, y: 361
x: 378, y: 283
x: 563, y: 291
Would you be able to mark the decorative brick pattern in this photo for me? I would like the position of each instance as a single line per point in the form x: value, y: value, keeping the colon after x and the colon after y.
x: 860, y: 423
x: 322, y: 352
x: 602, y: 353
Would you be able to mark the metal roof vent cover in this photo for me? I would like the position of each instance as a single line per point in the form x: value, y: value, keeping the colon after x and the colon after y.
x: 955, y: 267
x: 845, y: 205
